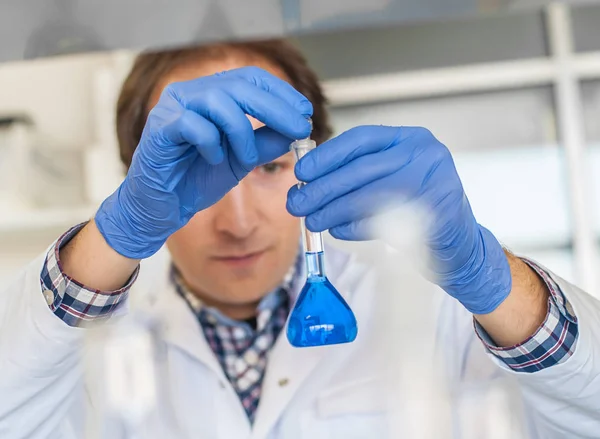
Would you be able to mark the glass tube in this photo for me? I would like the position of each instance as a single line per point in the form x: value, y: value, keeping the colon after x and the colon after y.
x: 311, y: 241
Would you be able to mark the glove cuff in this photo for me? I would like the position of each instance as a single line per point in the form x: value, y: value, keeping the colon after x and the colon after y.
x: 488, y: 281
x: 108, y: 218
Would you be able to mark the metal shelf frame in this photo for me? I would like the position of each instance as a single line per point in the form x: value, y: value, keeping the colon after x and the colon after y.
x: 563, y: 69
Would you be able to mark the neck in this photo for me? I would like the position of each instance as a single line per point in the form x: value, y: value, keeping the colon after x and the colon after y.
x: 242, y: 311
x: 235, y: 311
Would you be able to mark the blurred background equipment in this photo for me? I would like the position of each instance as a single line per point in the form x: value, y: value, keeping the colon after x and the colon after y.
x: 60, y: 33
x: 44, y: 28
x: 504, y: 93
x: 511, y: 87
x: 15, y: 152
x: 39, y: 28
x: 126, y: 374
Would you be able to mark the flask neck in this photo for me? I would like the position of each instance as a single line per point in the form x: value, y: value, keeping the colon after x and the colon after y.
x: 315, y: 265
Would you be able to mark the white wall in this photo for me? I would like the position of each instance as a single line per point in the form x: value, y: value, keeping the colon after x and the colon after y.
x: 56, y: 93
x: 64, y: 97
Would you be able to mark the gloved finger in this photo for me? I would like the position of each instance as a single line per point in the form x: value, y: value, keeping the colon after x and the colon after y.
x: 172, y: 130
x: 202, y: 134
x: 273, y: 111
x: 231, y: 120
x: 270, y: 145
x: 360, y: 230
x: 348, y: 178
x: 344, y: 148
x: 204, y: 97
x: 274, y: 85
x: 364, y: 202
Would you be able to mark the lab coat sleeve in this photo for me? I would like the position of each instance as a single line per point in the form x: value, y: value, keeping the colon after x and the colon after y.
x: 564, y: 399
x: 40, y: 374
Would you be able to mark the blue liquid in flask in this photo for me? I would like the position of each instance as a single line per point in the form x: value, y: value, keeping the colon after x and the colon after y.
x: 321, y: 316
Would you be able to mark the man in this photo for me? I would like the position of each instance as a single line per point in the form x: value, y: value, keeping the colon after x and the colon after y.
x: 205, y: 134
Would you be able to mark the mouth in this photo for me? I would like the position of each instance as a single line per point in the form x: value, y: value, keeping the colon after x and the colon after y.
x: 240, y: 260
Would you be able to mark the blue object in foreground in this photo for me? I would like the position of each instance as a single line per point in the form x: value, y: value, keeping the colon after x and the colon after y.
x: 321, y: 316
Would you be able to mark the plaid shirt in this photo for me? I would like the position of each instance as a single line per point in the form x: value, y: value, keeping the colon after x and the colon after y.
x: 71, y: 301
x: 243, y: 350
x: 551, y: 344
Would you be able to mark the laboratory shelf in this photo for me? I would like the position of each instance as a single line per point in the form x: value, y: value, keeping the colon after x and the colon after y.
x: 25, y: 220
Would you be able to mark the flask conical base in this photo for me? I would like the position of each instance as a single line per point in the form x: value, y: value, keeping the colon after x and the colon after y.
x: 321, y: 316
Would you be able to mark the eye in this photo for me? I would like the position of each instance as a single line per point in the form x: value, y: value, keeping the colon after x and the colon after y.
x: 271, y: 168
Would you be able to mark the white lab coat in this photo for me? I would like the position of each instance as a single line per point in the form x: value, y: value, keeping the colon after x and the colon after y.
x: 307, y: 393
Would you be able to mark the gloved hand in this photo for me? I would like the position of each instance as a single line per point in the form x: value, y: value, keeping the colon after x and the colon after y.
x: 353, y: 176
x: 196, y: 146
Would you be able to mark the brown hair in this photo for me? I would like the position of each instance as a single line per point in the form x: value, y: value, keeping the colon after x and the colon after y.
x: 151, y: 67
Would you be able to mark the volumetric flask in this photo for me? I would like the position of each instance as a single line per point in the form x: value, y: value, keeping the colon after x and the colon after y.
x: 320, y: 316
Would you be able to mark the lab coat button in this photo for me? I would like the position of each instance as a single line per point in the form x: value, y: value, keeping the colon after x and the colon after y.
x: 221, y: 384
x: 283, y: 382
x: 49, y: 296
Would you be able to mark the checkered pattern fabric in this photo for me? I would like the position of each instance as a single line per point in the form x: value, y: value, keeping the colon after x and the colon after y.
x: 74, y: 303
x: 554, y: 341
x: 243, y: 350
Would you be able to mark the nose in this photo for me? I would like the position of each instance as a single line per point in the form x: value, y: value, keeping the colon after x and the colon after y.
x: 237, y: 216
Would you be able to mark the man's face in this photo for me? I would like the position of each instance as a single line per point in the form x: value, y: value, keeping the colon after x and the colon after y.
x: 235, y: 252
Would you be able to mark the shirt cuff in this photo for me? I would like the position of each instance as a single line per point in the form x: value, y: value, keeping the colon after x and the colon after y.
x: 70, y: 301
x: 554, y: 341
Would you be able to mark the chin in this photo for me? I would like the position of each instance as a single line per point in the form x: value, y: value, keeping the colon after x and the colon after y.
x: 243, y: 293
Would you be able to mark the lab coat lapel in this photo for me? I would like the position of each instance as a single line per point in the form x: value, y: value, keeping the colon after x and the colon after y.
x: 287, y: 371
x: 183, y: 331
x: 180, y: 328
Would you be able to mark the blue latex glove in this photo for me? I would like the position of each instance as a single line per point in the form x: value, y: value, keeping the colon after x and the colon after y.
x: 196, y: 146
x: 353, y: 176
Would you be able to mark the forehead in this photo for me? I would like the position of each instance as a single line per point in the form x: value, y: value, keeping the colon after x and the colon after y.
x: 194, y: 69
